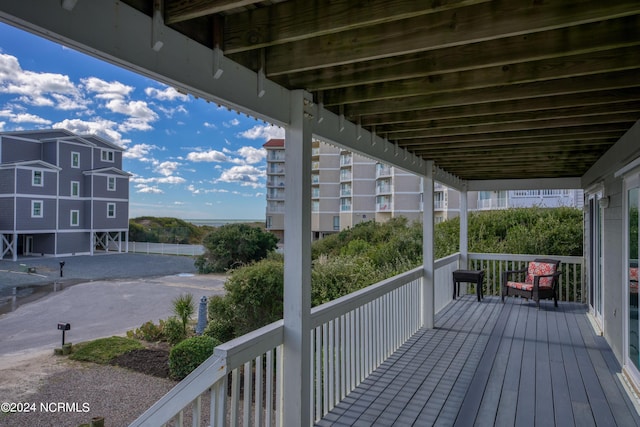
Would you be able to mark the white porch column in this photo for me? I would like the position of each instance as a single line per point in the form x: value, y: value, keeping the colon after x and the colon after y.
x: 428, y: 289
x: 14, y: 245
x: 464, y: 230
x: 297, y: 263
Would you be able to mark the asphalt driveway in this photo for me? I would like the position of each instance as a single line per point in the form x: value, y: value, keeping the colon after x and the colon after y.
x: 99, y: 296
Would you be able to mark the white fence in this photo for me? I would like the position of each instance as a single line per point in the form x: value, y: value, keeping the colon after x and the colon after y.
x: 165, y: 248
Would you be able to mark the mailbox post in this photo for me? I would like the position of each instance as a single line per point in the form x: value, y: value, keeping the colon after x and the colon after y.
x: 61, y: 266
x: 64, y: 327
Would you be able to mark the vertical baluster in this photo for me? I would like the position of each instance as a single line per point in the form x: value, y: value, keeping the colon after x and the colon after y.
x: 325, y: 367
x: 246, y: 413
x: 352, y: 350
x: 279, y: 375
x: 268, y: 398
x: 318, y: 371
x: 330, y: 354
x: 220, y: 403
x: 196, y: 410
x: 258, y: 418
x: 343, y: 356
x: 235, y: 397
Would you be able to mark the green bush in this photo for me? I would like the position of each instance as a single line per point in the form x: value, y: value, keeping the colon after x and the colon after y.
x: 174, y: 331
x: 189, y: 354
x: 234, y: 245
x: 333, y: 277
x: 148, y: 331
x: 220, y: 315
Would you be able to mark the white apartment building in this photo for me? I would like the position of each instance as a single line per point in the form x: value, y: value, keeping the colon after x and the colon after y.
x: 347, y: 188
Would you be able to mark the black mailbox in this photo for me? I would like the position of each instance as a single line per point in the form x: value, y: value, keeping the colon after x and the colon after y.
x: 64, y: 326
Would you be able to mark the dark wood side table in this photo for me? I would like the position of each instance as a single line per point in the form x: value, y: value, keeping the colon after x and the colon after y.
x: 468, y: 276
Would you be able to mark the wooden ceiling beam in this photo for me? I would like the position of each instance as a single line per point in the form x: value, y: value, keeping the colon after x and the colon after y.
x: 296, y: 20
x: 465, y: 25
x: 183, y: 10
x: 544, y: 89
x: 524, y: 126
x: 578, y: 40
x: 540, y: 106
x: 622, y: 59
x: 570, y: 113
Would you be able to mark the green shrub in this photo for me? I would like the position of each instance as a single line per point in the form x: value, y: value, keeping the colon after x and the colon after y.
x: 220, y: 314
x: 183, y: 307
x: 148, y: 331
x: 234, y: 245
x: 174, y: 331
x: 103, y: 350
x: 189, y: 354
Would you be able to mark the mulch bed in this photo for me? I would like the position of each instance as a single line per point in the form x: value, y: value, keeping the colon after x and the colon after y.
x: 150, y: 361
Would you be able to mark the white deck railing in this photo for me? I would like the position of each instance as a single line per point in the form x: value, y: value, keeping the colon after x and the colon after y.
x: 572, y: 283
x: 350, y: 337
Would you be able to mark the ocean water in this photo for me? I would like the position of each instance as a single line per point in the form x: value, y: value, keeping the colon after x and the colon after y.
x: 220, y: 222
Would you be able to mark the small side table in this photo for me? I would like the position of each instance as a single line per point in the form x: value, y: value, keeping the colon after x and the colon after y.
x: 468, y: 276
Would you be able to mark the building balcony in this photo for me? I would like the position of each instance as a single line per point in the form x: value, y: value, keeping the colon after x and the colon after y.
x: 384, y: 207
x: 382, y: 170
x: 373, y: 362
x: 440, y: 204
x: 383, y: 189
x: 275, y: 169
x: 489, y: 204
x: 275, y: 155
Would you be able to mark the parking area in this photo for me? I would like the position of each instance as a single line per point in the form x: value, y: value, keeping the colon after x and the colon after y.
x: 99, y: 296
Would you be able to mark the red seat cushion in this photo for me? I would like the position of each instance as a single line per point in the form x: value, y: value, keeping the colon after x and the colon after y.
x: 540, y: 269
x: 525, y: 286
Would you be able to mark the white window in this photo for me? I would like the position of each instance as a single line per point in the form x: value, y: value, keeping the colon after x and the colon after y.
x: 111, y: 183
x: 75, y: 218
x: 37, y: 178
x: 107, y: 156
x: 111, y: 210
x: 36, y: 209
x: 75, y: 189
x: 75, y: 159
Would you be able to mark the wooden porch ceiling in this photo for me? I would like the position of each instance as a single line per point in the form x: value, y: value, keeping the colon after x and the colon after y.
x: 486, y: 89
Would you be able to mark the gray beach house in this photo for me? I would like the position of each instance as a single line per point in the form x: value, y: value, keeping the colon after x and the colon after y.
x: 61, y: 194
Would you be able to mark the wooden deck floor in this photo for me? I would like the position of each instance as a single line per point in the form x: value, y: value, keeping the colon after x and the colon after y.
x: 489, y: 364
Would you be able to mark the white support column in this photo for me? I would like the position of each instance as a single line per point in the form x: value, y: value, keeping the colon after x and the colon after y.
x: 464, y: 231
x: 428, y: 288
x: 14, y: 244
x: 297, y: 263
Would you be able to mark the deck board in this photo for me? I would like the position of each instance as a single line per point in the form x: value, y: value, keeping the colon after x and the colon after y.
x: 489, y: 363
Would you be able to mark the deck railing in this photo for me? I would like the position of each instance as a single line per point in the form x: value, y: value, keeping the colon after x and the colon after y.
x: 350, y: 337
x: 572, y: 283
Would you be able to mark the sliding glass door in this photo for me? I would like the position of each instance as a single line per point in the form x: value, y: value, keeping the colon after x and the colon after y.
x: 632, y: 191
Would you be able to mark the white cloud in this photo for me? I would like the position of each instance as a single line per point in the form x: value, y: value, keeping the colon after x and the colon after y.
x: 265, y: 132
x: 159, y: 180
x: 168, y: 94
x: 106, y: 90
x: 23, y: 117
x: 210, y: 125
x: 207, y: 156
x: 244, y: 175
x: 98, y: 126
x: 143, y: 188
x: 37, y: 89
x: 252, y: 155
x: 139, y: 151
x: 231, y: 123
x: 167, y: 168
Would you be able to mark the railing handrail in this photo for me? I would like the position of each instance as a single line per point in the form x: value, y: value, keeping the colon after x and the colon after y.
x: 336, y: 308
x: 524, y: 257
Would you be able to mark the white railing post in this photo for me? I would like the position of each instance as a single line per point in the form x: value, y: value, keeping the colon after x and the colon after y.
x: 464, y: 230
x: 428, y: 294
x: 297, y: 263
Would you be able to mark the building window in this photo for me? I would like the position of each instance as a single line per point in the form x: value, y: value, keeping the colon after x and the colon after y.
x: 269, y: 221
x: 37, y: 178
x: 111, y: 210
x: 75, y: 218
x: 75, y: 189
x: 107, y: 156
x: 336, y: 223
x: 75, y: 159
x: 36, y: 209
x: 111, y: 183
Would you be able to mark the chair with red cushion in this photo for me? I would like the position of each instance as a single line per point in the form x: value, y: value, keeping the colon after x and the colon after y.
x: 538, y: 281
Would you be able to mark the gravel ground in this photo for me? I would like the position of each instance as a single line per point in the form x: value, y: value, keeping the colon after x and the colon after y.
x: 118, y: 395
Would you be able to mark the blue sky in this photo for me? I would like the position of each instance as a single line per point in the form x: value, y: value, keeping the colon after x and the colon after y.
x: 189, y: 158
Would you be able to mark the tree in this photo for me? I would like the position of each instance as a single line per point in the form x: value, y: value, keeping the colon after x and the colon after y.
x: 234, y: 245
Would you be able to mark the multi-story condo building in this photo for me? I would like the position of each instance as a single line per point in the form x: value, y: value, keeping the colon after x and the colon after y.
x: 347, y: 188
x: 61, y: 194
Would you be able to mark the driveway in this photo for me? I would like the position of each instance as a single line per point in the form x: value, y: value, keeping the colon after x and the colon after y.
x: 97, y: 307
